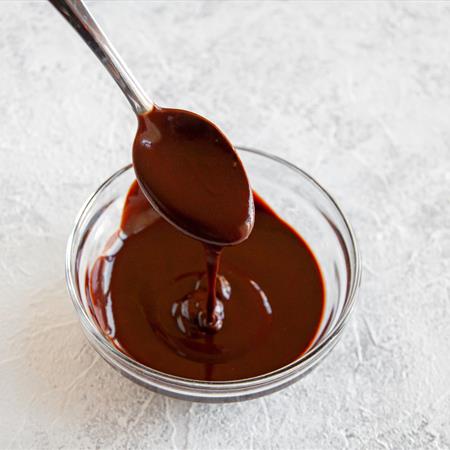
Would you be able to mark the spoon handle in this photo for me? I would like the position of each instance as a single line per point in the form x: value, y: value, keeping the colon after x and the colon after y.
x: 77, y: 14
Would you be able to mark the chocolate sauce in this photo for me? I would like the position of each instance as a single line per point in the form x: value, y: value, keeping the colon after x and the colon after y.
x: 193, y: 177
x: 149, y: 296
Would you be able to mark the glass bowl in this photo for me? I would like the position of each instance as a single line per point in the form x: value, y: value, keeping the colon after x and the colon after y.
x: 297, y: 198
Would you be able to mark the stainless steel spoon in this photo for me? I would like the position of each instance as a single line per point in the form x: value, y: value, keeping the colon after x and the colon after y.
x: 192, y: 176
x: 77, y: 14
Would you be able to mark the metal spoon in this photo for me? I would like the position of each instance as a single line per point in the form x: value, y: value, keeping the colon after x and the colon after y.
x: 186, y: 167
x: 77, y: 14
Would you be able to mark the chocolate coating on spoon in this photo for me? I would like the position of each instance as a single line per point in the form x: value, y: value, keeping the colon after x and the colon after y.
x: 191, y: 174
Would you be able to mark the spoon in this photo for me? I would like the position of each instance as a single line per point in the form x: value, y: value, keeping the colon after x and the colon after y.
x: 186, y: 167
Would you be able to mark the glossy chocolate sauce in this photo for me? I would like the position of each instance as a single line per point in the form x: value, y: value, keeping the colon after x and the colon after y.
x: 191, y: 174
x: 149, y: 295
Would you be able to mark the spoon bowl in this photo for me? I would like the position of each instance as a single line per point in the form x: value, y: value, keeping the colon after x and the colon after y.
x: 190, y: 173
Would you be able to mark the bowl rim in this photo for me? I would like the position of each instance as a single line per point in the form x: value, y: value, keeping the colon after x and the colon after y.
x: 287, y: 371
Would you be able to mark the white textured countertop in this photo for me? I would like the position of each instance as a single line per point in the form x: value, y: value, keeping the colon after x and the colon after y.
x: 357, y: 94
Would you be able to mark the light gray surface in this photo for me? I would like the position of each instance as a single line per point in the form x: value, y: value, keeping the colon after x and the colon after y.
x: 358, y: 94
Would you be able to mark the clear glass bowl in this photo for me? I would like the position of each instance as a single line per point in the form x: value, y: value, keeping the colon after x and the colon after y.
x: 298, y: 199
